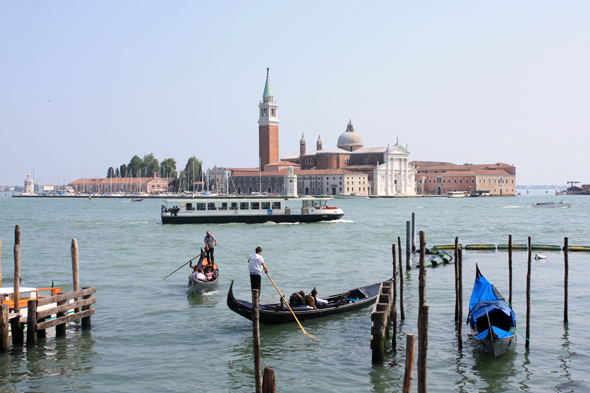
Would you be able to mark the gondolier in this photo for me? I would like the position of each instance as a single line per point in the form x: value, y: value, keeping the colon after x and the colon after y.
x: 256, y: 266
x: 210, y: 243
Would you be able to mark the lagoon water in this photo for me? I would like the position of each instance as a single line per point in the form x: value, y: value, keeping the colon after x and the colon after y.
x: 151, y: 335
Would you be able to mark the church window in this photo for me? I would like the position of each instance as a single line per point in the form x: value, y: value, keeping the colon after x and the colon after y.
x: 455, y: 181
x: 460, y: 180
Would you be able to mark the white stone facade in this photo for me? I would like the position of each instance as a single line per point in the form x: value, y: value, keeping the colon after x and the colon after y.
x: 395, y: 176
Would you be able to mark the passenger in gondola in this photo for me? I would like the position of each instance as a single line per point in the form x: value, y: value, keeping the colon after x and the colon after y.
x: 319, y: 303
x: 297, y: 299
x: 209, y: 273
x: 198, y: 274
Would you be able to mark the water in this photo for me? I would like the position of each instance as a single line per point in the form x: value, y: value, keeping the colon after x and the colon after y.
x: 151, y: 335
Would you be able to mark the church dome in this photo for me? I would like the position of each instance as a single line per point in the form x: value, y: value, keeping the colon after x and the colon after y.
x: 350, y: 140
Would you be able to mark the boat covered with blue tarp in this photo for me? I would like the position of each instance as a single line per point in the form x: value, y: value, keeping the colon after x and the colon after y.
x: 487, y: 308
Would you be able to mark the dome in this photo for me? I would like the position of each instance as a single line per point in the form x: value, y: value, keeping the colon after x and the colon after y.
x: 350, y: 139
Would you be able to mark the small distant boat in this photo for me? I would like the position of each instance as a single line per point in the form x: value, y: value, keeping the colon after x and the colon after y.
x: 456, y: 194
x: 553, y: 204
x: 200, y: 286
x: 491, y: 319
x: 271, y: 314
x: 539, y: 256
x: 137, y: 200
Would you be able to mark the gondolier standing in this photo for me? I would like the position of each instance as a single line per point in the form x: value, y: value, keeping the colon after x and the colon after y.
x: 210, y: 243
x: 256, y: 266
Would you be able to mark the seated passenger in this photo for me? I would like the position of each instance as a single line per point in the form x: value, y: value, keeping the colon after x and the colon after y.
x: 319, y: 303
x: 297, y: 299
x: 198, y: 274
x: 209, y: 273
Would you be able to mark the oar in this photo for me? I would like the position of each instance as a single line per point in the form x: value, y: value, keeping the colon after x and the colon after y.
x: 287, y: 303
x: 183, y: 265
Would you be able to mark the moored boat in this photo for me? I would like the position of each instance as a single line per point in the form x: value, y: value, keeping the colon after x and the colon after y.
x: 271, y: 314
x: 249, y: 210
x: 26, y: 294
x: 491, y: 319
x: 199, y: 285
x: 553, y: 204
x: 456, y: 194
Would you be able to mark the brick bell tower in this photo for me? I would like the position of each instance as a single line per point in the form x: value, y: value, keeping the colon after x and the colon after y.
x: 268, y: 127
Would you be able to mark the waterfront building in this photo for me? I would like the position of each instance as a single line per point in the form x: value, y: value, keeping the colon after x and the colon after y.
x: 439, y: 178
x: 29, y: 185
x: 150, y: 185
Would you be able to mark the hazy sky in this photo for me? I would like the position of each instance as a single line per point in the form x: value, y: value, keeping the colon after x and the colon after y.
x: 85, y: 85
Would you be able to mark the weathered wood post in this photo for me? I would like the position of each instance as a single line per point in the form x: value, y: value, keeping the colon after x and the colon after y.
x: 565, y: 278
x: 4, y: 345
x: 0, y: 263
x: 86, y: 321
x: 528, y: 298
x: 15, y: 325
x: 413, y: 232
x: 256, y: 333
x: 408, y: 246
x: 60, y: 330
x: 456, y: 268
x: 75, y: 271
x: 423, y: 350
x: 422, y: 276
x: 510, y: 270
x: 409, y: 370
x: 393, y: 305
x: 32, y: 322
x: 269, y: 383
x: 460, y: 296
x: 401, y: 287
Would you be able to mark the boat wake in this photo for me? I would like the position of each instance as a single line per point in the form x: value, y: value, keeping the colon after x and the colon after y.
x: 513, y: 207
x: 210, y: 293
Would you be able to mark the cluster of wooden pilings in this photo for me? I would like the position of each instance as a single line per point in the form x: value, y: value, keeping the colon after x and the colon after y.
x: 39, y: 320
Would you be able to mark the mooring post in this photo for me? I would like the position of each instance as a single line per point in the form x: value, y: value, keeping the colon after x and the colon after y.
x: 256, y: 333
x: 528, y: 298
x: 408, y: 246
x: 456, y: 267
x: 401, y: 285
x: 510, y: 270
x: 393, y: 305
x: 422, y: 276
x: 4, y: 345
x: 86, y: 321
x: 60, y: 330
x: 460, y: 296
x: 269, y: 383
x: 413, y: 232
x: 423, y: 350
x: 75, y: 271
x: 409, y: 370
x: 32, y: 322
x: 15, y: 325
x: 565, y: 278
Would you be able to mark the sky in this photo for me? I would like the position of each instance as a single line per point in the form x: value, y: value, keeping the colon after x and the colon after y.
x: 87, y: 85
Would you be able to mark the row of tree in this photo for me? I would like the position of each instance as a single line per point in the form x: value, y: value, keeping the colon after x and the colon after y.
x: 148, y: 165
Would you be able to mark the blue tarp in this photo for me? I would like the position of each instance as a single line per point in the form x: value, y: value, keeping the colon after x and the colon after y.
x: 484, y: 300
x: 499, y: 332
x: 482, y: 290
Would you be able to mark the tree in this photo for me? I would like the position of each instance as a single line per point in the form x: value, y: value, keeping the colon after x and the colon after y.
x: 117, y: 173
x: 111, y: 172
x: 168, y: 167
x: 135, y: 166
x: 151, y: 165
x: 123, y: 171
x: 192, y: 172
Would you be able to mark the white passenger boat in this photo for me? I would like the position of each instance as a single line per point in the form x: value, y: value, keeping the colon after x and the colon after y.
x: 456, y: 194
x: 26, y: 294
x: 552, y: 204
x: 249, y: 210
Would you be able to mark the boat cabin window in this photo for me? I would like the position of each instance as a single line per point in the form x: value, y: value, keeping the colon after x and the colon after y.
x: 223, y: 206
x: 189, y: 206
x: 233, y: 206
x: 201, y: 206
x: 244, y: 205
x: 265, y: 205
x: 276, y: 205
x: 211, y: 206
x: 255, y: 205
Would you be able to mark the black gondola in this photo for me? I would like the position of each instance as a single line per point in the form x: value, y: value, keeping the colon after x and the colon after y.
x: 271, y: 314
x: 492, y: 321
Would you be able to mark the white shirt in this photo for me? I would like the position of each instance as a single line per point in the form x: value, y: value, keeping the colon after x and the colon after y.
x: 321, y: 301
x: 255, y: 264
x: 199, y: 276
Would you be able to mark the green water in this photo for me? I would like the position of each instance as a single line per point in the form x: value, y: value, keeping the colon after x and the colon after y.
x: 151, y: 335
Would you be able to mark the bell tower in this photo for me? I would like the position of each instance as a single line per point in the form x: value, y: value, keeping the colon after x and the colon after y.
x: 268, y: 127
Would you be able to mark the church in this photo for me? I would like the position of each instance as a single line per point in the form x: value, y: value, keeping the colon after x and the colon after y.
x: 349, y: 169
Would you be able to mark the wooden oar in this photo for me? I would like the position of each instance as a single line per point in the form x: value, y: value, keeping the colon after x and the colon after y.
x: 287, y: 303
x: 183, y: 265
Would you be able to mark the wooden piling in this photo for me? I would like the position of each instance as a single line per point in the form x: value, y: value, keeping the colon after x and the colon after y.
x: 528, y: 298
x: 408, y: 246
x: 401, y: 287
x: 393, y: 306
x: 60, y: 330
x: 460, y: 297
x: 456, y: 281
x: 510, y: 270
x: 565, y: 278
x: 86, y: 321
x: 4, y: 344
x: 413, y: 232
x: 423, y: 350
x: 422, y: 275
x: 269, y: 383
x: 32, y: 322
x: 409, y: 370
x: 75, y: 271
x: 256, y: 334
x: 16, y: 284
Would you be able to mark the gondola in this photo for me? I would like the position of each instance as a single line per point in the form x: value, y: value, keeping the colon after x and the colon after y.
x: 487, y: 307
x: 272, y: 314
x: 199, y: 286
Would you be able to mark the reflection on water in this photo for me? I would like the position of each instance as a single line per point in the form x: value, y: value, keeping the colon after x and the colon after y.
x: 495, y: 371
x: 207, y: 299
x: 55, y: 365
